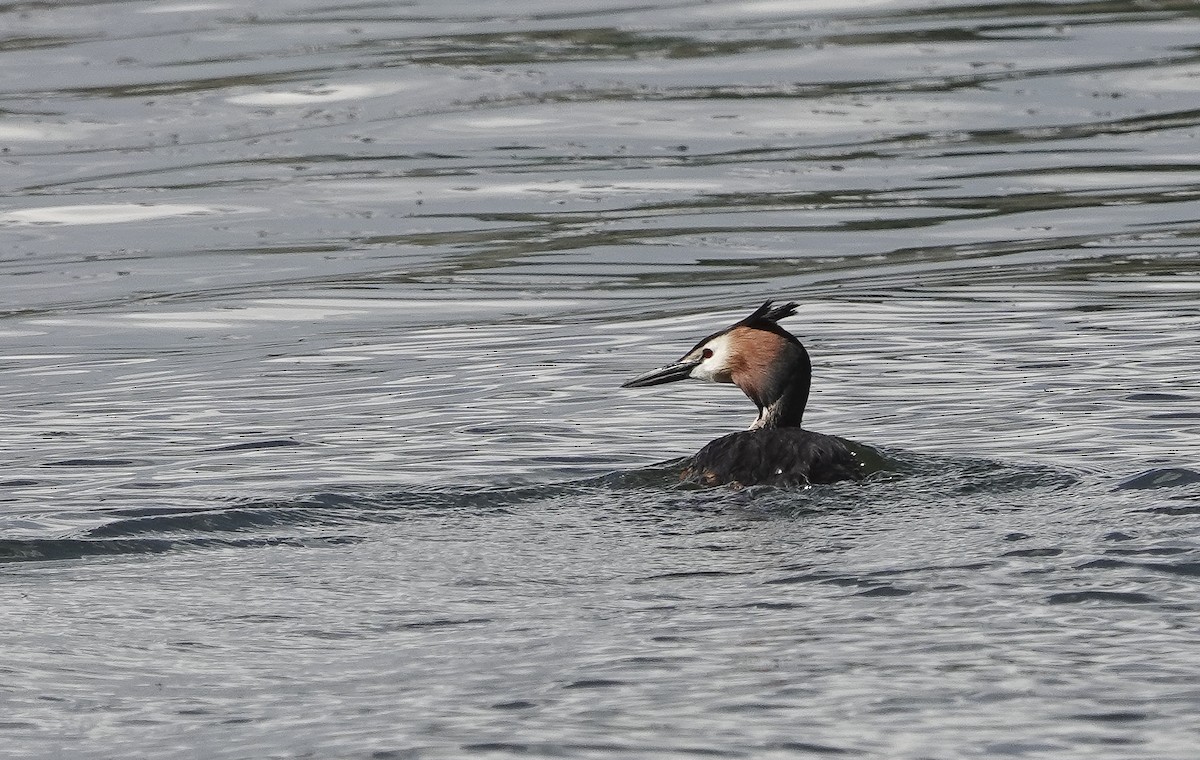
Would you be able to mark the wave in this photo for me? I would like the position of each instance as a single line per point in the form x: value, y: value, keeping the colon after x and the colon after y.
x: 329, y: 517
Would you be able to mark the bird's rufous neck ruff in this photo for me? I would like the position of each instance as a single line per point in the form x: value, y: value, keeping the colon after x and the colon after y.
x: 763, y: 364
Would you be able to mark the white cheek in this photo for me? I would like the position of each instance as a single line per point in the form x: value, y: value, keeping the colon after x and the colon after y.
x: 714, y: 364
x: 704, y: 371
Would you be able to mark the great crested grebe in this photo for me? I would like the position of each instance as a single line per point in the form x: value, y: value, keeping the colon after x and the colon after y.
x: 772, y: 368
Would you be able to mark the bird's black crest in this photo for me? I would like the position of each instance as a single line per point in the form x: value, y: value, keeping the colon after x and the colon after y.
x: 765, y: 317
x: 769, y: 313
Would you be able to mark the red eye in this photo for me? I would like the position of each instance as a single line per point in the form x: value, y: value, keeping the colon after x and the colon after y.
x: 706, y: 353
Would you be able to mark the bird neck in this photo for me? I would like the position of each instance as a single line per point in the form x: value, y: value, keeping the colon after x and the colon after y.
x: 785, y: 411
x: 784, y: 405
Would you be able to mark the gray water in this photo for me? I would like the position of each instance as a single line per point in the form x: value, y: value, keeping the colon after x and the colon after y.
x: 313, y: 318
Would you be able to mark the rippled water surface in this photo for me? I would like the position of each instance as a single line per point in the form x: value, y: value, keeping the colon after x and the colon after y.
x: 313, y: 318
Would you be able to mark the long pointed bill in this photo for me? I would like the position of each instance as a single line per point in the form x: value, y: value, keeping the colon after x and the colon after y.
x: 667, y: 374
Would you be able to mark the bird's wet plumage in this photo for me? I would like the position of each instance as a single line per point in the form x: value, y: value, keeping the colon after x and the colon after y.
x: 786, y: 457
x: 773, y: 369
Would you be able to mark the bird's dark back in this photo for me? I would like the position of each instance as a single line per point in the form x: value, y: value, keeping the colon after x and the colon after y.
x: 785, y: 457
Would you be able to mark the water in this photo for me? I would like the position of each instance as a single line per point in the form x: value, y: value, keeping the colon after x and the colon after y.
x: 313, y: 322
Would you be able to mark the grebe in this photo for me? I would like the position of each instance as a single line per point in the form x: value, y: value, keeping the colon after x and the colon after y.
x: 772, y: 368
